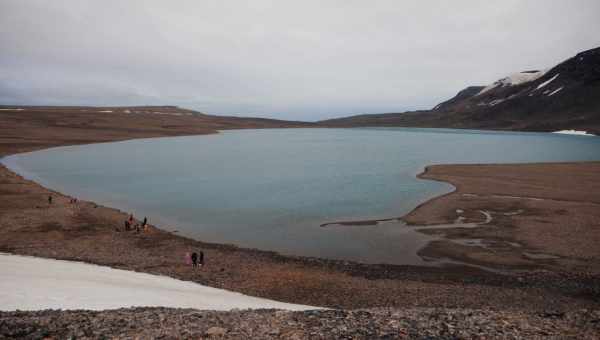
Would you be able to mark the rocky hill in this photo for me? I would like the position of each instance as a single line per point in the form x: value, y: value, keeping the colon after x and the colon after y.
x: 566, y: 96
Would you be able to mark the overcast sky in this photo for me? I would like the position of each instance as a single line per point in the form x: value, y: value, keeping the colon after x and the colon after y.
x: 286, y: 59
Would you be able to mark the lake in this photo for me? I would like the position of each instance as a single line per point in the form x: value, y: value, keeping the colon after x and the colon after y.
x: 272, y: 189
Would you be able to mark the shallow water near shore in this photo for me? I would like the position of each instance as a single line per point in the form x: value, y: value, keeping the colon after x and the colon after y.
x: 272, y: 189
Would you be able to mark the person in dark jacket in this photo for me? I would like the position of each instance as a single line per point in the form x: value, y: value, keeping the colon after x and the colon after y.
x: 201, y: 260
x: 194, y: 260
x: 50, y: 199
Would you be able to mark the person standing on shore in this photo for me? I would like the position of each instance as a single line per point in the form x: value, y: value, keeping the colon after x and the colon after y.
x: 194, y: 260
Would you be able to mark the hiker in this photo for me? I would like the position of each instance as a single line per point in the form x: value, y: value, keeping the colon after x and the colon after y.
x: 131, y: 218
x: 127, y: 225
x: 145, y: 221
x: 194, y: 260
x: 49, y: 199
x: 201, y: 260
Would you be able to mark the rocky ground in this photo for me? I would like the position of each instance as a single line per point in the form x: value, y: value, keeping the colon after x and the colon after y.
x: 413, y: 323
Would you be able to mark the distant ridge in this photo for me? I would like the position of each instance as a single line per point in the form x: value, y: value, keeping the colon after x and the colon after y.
x: 563, y: 97
x: 169, y: 110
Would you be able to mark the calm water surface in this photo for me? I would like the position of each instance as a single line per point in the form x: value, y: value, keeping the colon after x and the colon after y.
x: 271, y: 189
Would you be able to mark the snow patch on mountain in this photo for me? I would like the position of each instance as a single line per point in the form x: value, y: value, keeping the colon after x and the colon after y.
x: 547, y: 82
x: 496, y: 102
x: 515, y: 79
x: 555, y: 91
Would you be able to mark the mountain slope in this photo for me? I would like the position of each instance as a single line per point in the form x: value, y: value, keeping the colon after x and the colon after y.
x: 566, y: 96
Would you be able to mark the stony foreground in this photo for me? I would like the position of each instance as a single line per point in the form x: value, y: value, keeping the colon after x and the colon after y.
x: 416, y: 323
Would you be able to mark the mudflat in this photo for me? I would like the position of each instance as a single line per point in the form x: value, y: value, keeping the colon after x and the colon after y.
x: 533, y: 251
x: 542, y: 215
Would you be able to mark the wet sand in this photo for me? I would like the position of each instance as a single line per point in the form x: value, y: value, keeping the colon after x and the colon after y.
x: 564, y: 224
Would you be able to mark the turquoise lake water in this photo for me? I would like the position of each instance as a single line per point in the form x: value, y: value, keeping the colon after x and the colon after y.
x: 271, y: 189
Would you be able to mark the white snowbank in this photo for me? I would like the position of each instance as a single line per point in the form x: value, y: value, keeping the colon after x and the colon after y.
x: 515, y: 79
x: 31, y: 283
x: 574, y: 132
x: 547, y: 82
x: 12, y: 109
x: 106, y: 111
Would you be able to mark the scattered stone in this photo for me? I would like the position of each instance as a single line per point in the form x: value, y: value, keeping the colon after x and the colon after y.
x: 216, y: 331
x: 374, y: 323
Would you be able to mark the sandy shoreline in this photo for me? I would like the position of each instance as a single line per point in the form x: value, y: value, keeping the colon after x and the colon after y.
x: 86, y: 232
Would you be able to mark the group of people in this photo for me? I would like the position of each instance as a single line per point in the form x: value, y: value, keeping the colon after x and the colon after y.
x: 195, y: 259
x: 131, y: 224
x: 71, y: 200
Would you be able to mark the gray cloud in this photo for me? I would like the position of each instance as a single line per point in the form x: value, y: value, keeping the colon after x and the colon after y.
x: 284, y: 59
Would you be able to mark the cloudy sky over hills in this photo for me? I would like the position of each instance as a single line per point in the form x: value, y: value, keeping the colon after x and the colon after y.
x: 285, y: 59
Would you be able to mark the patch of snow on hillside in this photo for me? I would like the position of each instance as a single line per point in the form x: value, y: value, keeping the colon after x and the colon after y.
x: 106, y: 111
x: 574, y: 132
x: 30, y: 283
x: 547, y: 82
x: 515, y: 79
x: 172, y: 113
x: 496, y: 102
x: 12, y: 109
x: 555, y: 91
